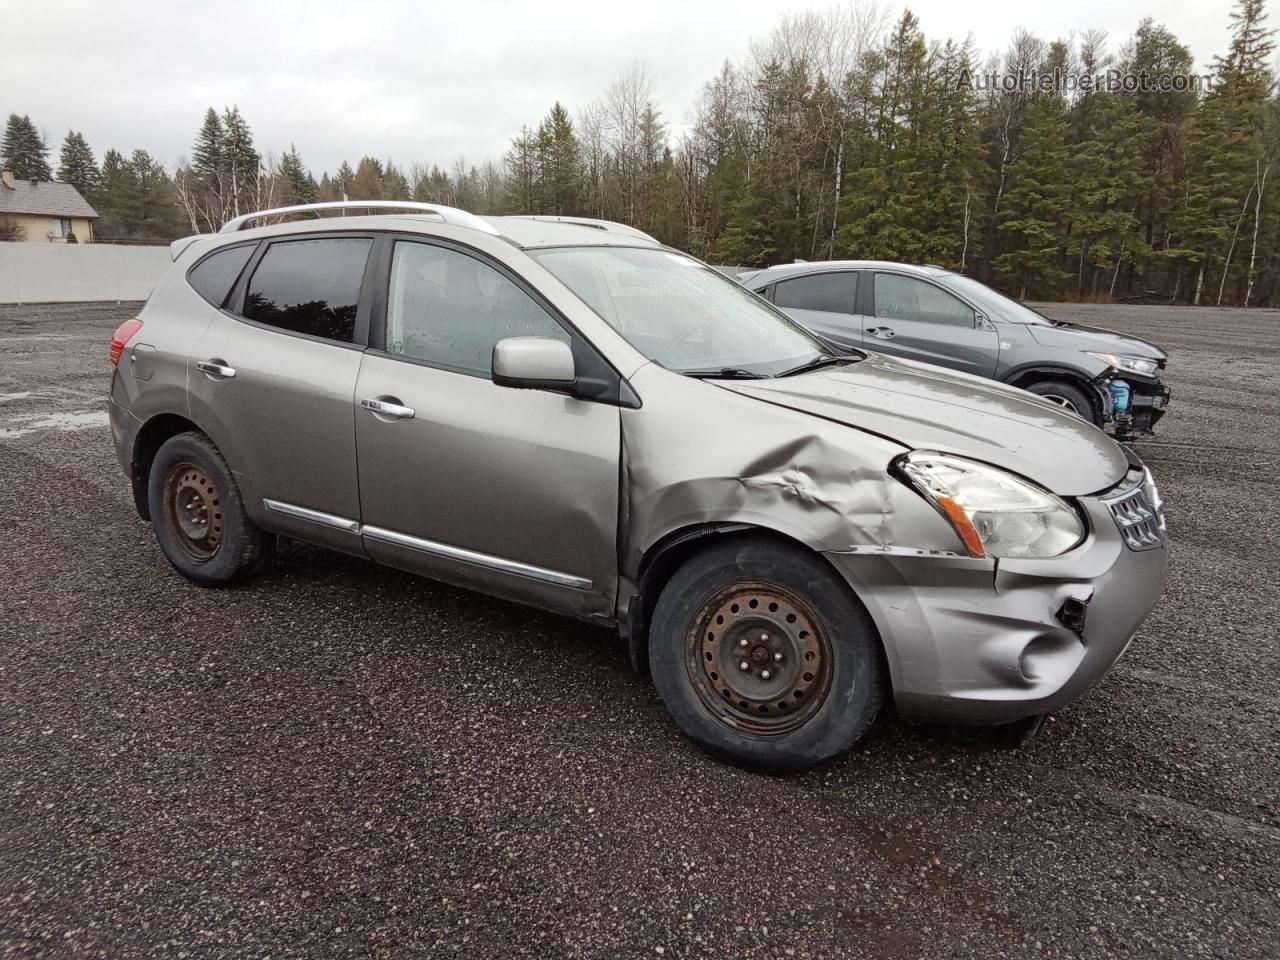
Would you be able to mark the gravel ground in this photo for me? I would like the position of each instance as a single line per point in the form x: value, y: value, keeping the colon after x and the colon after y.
x: 340, y: 760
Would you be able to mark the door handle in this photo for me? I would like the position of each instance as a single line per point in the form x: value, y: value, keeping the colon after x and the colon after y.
x: 387, y: 407
x: 883, y: 333
x: 216, y: 369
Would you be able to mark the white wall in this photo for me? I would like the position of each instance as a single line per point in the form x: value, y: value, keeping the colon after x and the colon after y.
x: 68, y: 272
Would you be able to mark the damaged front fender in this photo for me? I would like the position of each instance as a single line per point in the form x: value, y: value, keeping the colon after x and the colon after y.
x: 697, y: 454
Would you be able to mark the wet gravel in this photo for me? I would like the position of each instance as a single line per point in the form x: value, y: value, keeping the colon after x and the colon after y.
x: 343, y: 761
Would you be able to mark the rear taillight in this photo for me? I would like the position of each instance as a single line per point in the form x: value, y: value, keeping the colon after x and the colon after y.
x: 124, y: 333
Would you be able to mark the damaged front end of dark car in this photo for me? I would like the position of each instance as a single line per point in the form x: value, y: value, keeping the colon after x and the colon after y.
x: 1124, y: 374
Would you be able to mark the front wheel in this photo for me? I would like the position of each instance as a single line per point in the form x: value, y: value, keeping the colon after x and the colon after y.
x: 198, y: 517
x: 764, y: 657
x: 1068, y: 396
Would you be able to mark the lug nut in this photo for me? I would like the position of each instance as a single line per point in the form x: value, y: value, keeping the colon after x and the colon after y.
x: 778, y: 656
x: 742, y: 642
x: 764, y: 638
x: 744, y: 666
x: 765, y: 674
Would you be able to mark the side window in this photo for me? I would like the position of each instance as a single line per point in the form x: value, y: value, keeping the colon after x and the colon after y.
x: 448, y: 308
x: 830, y: 292
x: 214, y: 276
x: 310, y: 286
x: 906, y: 298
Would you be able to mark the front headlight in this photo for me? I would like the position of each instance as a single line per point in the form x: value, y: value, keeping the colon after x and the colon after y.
x: 995, y: 513
x: 1139, y: 365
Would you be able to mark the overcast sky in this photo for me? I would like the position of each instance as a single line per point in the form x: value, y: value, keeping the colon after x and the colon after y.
x: 427, y: 81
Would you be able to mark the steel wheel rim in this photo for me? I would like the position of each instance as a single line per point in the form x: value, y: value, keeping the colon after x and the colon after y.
x: 757, y: 659
x: 193, y: 511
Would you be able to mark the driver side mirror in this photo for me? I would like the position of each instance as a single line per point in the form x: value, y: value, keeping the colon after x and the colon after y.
x: 533, y: 363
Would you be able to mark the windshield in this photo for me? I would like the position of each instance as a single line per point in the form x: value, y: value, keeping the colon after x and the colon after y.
x: 684, y: 315
x: 1011, y: 310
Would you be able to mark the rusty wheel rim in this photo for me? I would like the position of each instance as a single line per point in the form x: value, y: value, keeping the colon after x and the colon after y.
x: 193, y: 511
x: 757, y: 659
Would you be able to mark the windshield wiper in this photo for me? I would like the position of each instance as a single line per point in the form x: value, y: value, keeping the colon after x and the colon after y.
x: 821, y: 360
x: 724, y: 373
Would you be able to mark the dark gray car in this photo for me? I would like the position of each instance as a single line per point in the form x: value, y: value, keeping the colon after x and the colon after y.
x: 572, y: 416
x: 937, y: 316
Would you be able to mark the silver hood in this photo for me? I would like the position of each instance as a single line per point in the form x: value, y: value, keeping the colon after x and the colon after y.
x: 926, y: 407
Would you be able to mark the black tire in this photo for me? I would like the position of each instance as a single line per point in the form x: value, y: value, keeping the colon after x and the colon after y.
x: 812, y: 707
x: 198, y: 516
x: 1070, y: 396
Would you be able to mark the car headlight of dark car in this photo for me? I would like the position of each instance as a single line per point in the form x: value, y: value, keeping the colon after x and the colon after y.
x: 1143, y: 366
x: 994, y: 512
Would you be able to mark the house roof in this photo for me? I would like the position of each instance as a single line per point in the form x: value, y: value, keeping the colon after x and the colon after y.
x: 44, y: 199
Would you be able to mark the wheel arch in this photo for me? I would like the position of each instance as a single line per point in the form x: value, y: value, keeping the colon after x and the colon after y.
x: 1024, y: 376
x: 669, y: 552
x: 150, y: 438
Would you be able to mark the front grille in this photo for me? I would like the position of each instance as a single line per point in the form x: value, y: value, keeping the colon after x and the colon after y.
x: 1140, y: 521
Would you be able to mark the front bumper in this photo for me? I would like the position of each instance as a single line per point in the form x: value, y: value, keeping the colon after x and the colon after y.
x: 993, y: 641
x: 1147, y: 405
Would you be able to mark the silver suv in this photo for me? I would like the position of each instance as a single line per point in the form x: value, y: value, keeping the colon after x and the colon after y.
x: 570, y: 415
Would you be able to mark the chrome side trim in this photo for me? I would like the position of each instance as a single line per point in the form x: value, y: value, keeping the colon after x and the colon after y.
x: 315, y: 516
x: 477, y: 559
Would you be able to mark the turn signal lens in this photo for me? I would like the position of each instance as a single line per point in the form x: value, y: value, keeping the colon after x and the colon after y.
x: 124, y: 333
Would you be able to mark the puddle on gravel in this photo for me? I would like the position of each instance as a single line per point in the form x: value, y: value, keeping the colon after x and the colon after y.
x: 20, y: 426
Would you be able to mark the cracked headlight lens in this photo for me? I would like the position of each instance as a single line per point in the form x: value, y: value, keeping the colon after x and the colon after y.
x: 1139, y: 365
x: 995, y: 513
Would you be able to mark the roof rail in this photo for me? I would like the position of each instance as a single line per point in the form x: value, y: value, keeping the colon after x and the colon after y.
x: 608, y: 225
x: 452, y: 215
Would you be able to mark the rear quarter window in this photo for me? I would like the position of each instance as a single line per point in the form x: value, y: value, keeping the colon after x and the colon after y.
x: 828, y: 292
x: 310, y: 286
x: 215, y: 275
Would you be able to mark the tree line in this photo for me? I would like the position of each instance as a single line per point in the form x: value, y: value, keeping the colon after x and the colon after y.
x: 839, y: 135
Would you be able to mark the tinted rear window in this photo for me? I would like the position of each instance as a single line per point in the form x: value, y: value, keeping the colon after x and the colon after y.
x: 310, y: 286
x: 214, y: 276
x: 831, y: 292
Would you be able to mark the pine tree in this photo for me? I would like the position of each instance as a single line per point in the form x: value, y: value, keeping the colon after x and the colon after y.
x: 119, y: 198
x: 240, y: 162
x: 152, y: 214
x: 23, y: 151
x: 76, y: 165
x: 1155, y: 51
x: 747, y: 238
x: 394, y: 184
x: 298, y: 185
x: 1107, y: 186
x: 206, y: 153
x: 1224, y: 142
x: 557, y: 163
x: 523, y: 173
x: 366, y: 184
x: 1038, y: 204
x: 343, y: 180
x: 886, y: 212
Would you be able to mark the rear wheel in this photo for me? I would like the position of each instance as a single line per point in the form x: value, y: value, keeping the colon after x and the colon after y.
x: 764, y: 657
x: 198, y: 517
x: 1069, y: 397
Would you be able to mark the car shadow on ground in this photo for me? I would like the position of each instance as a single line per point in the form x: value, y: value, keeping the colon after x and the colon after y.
x: 581, y: 648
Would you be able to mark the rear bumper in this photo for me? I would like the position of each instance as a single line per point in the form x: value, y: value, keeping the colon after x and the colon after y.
x: 986, y: 641
x: 124, y: 437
